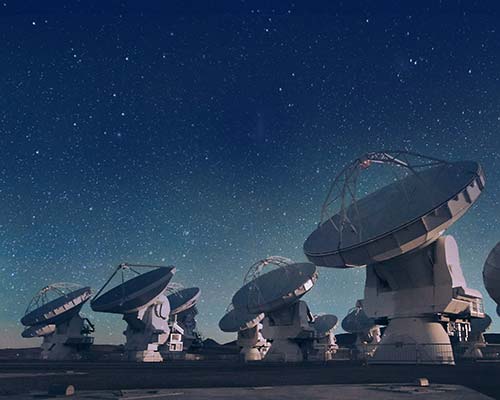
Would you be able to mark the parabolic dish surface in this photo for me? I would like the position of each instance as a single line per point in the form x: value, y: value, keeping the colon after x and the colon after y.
x: 135, y: 293
x: 356, y: 321
x: 183, y: 299
x: 491, y: 274
x: 324, y: 323
x: 397, y: 218
x: 239, y: 320
x: 58, y: 310
x: 38, y: 330
x: 276, y: 288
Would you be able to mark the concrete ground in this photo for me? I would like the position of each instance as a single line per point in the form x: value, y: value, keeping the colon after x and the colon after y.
x: 316, y: 392
x: 233, y: 380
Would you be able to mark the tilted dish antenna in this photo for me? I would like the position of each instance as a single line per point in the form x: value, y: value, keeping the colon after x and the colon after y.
x: 39, y: 331
x: 144, y: 306
x: 366, y: 330
x: 240, y: 318
x: 248, y: 325
x: 135, y: 293
x: 182, y: 316
x: 413, y: 273
x: 235, y: 320
x: 423, y: 198
x: 53, y: 314
x: 323, y: 324
x: 56, y: 303
x: 257, y: 268
x: 181, y: 298
x: 276, y: 293
x: 356, y: 321
x: 276, y: 288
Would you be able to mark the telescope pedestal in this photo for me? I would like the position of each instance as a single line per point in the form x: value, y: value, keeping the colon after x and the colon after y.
x: 284, y: 350
x: 67, y: 342
x: 253, y: 344
x: 323, y: 348
x: 287, y: 327
x: 187, y: 320
x: 146, y: 330
x: 414, y: 340
x: 418, y: 293
x: 367, y: 342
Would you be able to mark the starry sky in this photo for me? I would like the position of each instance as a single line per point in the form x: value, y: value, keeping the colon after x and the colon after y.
x: 206, y: 136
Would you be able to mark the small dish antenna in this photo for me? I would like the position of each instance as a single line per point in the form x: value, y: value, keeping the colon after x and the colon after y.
x: 366, y: 330
x: 248, y: 326
x: 182, y: 321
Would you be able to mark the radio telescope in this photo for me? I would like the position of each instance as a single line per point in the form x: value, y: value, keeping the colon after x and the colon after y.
x: 472, y: 347
x: 144, y: 307
x: 247, y: 324
x: 276, y: 293
x: 366, y: 330
x: 182, y: 316
x: 491, y: 275
x: 53, y: 314
x: 414, y: 282
x: 324, y: 345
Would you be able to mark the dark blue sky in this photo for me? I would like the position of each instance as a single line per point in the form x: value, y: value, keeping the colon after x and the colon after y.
x: 207, y: 136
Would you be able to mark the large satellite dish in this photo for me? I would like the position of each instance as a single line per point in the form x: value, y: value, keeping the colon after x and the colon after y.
x: 53, y: 314
x: 387, y: 211
x: 135, y: 293
x: 424, y: 197
x: 491, y: 275
x: 56, y: 303
x: 144, y: 306
x: 276, y: 289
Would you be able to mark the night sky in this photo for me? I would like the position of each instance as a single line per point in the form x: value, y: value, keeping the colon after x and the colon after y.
x: 206, y: 137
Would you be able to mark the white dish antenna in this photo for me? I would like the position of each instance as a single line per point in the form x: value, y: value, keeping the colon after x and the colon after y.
x: 144, y: 306
x: 323, y: 324
x: 423, y: 196
x: 276, y: 288
x: 53, y: 314
x: 181, y: 299
x: 133, y: 294
x: 56, y: 303
x: 239, y: 319
x: 491, y: 275
x: 356, y: 321
x: 387, y: 211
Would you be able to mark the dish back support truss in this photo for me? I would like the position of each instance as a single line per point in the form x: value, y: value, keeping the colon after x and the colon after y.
x: 122, y: 269
x: 49, y: 293
x: 342, y: 197
x: 255, y: 270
